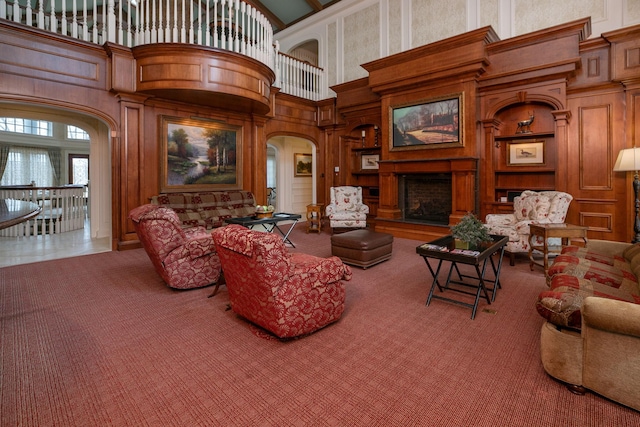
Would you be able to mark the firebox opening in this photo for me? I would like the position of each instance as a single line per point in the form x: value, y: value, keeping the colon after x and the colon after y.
x: 426, y: 198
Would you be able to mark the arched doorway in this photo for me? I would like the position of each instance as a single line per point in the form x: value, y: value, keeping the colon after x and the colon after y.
x: 96, y: 235
x: 295, y: 188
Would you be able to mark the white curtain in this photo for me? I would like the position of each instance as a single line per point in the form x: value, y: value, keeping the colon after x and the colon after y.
x: 27, y: 164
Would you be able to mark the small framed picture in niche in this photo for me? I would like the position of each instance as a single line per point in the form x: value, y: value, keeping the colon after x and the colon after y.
x: 530, y: 152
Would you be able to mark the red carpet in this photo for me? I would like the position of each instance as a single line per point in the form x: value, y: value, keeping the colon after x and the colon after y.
x: 100, y: 340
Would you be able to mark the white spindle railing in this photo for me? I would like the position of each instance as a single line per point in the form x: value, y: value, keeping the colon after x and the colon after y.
x: 225, y: 24
x: 63, y: 209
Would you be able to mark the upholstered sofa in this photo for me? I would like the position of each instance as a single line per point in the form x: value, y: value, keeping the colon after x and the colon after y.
x: 208, y: 209
x: 531, y: 207
x: 591, y: 335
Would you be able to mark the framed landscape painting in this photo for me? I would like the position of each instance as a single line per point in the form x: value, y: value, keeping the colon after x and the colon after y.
x: 303, y: 164
x: 198, y: 155
x: 434, y: 123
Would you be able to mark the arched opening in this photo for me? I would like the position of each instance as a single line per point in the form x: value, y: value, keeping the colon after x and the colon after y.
x: 306, y: 51
x: 294, y: 184
x: 95, y: 236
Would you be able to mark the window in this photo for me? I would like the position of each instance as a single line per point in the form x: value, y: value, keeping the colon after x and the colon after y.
x: 74, y: 132
x: 26, y: 164
x: 31, y: 127
x: 78, y: 169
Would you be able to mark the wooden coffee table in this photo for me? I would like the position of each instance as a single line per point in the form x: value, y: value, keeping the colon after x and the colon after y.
x: 565, y: 232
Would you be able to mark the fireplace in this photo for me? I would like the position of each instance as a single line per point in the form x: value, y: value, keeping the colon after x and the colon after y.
x: 425, y: 198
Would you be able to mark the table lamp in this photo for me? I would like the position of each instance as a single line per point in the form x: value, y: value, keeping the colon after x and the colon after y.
x: 629, y: 160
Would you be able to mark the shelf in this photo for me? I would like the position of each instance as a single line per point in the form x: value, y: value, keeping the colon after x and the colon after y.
x: 366, y: 149
x: 532, y: 188
x: 524, y: 136
x: 366, y: 172
x: 525, y: 169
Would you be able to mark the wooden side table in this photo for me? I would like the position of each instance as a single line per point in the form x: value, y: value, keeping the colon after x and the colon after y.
x: 314, y: 217
x: 565, y: 232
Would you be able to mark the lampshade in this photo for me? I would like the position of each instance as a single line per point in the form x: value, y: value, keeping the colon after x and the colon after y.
x: 628, y: 160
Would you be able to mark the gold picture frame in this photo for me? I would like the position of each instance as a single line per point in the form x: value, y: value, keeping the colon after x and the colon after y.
x: 427, y: 124
x: 303, y: 164
x: 197, y: 155
x: 525, y: 153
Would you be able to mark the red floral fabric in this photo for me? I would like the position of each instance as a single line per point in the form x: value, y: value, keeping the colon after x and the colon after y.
x: 184, y: 258
x: 287, y: 294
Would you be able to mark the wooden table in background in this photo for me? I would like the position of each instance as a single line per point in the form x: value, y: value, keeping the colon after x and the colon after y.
x: 565, y: 232
x: 314, y: 217
x: 14, y: 212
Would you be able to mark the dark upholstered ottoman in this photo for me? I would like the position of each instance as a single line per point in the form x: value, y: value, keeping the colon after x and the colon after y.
x: 362, y: 248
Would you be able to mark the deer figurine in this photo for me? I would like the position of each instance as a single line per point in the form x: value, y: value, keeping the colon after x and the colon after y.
x: 524, y: 126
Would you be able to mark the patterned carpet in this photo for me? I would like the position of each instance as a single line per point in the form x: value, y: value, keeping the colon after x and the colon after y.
x: 99, y: 340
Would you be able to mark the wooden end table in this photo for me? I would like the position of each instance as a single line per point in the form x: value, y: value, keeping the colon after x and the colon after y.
x: 565, y: 232
x: 314, y: 217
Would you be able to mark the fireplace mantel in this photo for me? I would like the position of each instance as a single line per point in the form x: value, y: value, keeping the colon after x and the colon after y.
x: 464, y: 186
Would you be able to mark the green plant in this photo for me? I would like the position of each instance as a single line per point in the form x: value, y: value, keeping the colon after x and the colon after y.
x: 470, y: 229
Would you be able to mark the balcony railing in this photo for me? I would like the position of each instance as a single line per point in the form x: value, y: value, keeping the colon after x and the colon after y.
x: 231, y: 25
x: 63, y: 209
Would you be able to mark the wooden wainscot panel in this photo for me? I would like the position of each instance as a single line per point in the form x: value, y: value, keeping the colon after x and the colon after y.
x: 204, y: 76
x: 538, y: 55
x: 122, y: 71
x: 46, y: 56
x: 594, y: 70
x: 625, y: 51
x: 595, y: 147
x: 597, y: 221
x: 445, y: 59
x: 327, y: 112
x: 354, y: 95
x: 294, y: 110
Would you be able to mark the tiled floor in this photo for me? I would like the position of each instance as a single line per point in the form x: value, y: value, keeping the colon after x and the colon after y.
x: 24, y: 250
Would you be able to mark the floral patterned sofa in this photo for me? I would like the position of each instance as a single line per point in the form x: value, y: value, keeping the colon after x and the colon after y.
x: 531, y: 207
x: 184, y: 258
x: 591, y: 335
x: 346, y: 209
x: 288, y: 294
x: 208, y: 209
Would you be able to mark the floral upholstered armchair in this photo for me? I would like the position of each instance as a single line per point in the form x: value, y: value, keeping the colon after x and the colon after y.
x: 184, y: 258
x: 545, y: 207
x: 346, y: 208
x: 288, y: 294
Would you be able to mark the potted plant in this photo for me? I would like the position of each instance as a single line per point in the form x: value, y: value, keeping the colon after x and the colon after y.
x: 470, y: 232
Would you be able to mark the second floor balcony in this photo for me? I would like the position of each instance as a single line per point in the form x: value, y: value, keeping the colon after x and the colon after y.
x: 227, y: 25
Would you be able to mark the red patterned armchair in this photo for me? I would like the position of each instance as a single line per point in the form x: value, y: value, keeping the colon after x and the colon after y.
x: 289, y: 294
x: 184, y: 258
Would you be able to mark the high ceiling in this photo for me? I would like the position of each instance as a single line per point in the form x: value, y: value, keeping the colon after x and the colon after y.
x: 284, y: 13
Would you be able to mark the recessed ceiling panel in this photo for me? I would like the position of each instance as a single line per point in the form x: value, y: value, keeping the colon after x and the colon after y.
x: 289, y: 10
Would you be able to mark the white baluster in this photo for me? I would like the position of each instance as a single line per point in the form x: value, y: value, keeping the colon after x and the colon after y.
x: 208, y: 27
x: 215, y: 23
x: 236, y: 34
x: 85, y: 28
x: 53, y: 19
x: 94, y: 36
x: 165, y: 26
x: 154, y: 23
x: 190, y: 22
x: 41, y: 14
